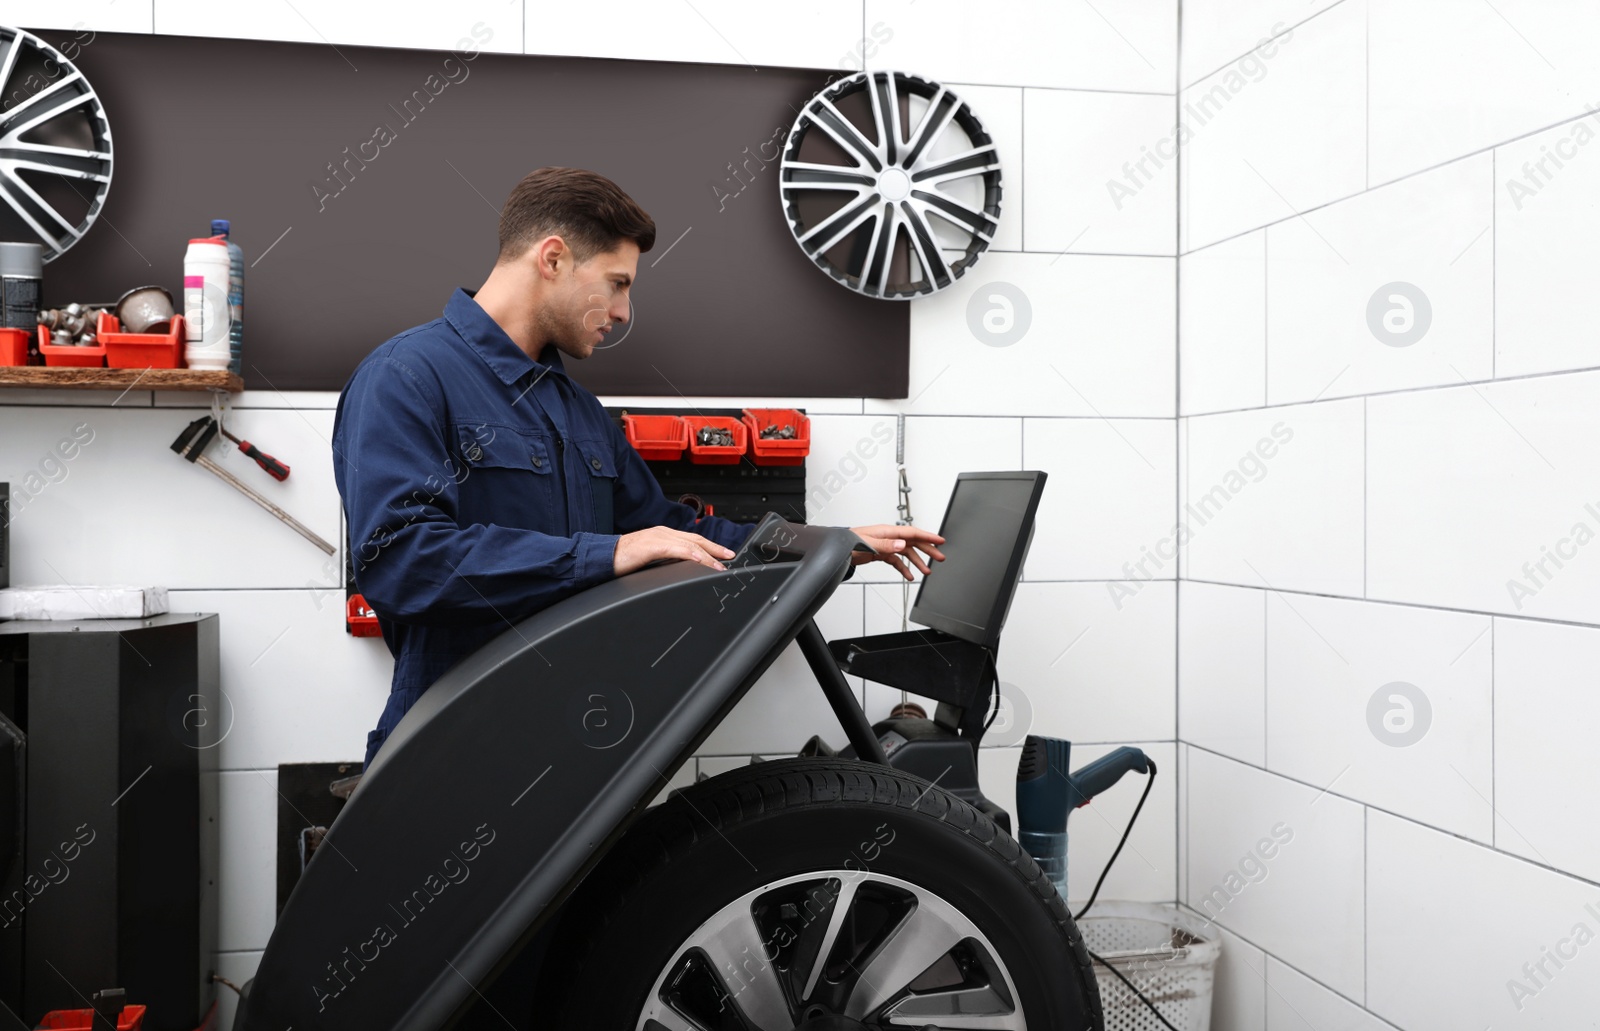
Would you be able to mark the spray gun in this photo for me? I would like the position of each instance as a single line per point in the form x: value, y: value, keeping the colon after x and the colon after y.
x: 1047, y: 794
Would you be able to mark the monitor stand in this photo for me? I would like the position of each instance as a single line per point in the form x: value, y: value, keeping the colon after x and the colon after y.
x: 957, y: 674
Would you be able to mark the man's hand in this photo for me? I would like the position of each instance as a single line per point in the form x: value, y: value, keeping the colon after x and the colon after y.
x: 639, y: 549
x: 894, y: 544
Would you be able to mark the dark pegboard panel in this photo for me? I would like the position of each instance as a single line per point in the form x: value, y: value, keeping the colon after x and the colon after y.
x: 743, y: 492
x: 248, y: 130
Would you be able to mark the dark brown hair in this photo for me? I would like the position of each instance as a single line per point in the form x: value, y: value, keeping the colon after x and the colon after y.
x: 587, y: 210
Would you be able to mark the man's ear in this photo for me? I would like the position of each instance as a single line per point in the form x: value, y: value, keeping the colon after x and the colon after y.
x: 549, y: 256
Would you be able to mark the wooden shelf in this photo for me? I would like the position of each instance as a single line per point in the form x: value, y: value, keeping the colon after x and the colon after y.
x: 119, y: 379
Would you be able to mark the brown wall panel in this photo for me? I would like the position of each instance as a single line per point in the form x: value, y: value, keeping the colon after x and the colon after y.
x: 245, y: 130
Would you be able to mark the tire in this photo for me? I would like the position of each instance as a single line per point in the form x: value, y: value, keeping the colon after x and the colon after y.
x: 763, y: 856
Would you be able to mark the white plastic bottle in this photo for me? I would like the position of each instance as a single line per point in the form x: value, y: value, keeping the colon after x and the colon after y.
x: 206, y: 270
x: 220, y: 228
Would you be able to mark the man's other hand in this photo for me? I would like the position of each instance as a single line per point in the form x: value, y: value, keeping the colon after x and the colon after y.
x: 895, y: 544
x: 639, y: 549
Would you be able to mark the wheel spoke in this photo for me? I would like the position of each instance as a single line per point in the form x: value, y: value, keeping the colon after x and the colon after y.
x: 972, y: 162
x: 825, y: 177
x: 668, y: 1019
x: 941, y: 109
x: 863, y: 211
x: 922, y: 937
x: 829, y: 119
x: 31, y: 207
x: 82, y: 164
x: 886, y: 100
x: 8, y: 61
x: 959, y: 1009
x: 883, y: 251
x: 736, y: 951
x: 43, y: 106
x: 841, y: 907
x: 933, y: 266
x: 848, y: 216
x: 964, y: 217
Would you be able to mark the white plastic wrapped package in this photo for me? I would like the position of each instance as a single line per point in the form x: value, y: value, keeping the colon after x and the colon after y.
x: 69, y: 601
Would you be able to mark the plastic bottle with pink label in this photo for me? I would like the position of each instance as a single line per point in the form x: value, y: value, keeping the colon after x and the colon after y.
x: 206, y: 269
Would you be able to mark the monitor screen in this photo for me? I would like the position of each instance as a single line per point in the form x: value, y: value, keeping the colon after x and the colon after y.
x: 986, y: 527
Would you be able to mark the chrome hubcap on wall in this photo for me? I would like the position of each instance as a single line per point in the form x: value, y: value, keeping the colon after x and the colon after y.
x: 890, y: 184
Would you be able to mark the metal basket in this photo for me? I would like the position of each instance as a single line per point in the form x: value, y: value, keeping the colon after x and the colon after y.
x: 1168, y: 955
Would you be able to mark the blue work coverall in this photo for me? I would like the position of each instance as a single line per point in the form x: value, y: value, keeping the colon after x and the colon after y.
x: 480, y: 486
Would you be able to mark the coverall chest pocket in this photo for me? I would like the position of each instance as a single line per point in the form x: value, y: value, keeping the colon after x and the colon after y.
x: 504, y: 476
x: 601, y: 466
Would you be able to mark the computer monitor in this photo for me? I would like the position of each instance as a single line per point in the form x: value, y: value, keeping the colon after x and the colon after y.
x: 987, y: 527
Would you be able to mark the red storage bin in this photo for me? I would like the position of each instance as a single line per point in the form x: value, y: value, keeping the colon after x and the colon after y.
x: 657, y: 438
x: 70, y: 355
x: 130, y: 1019
x: 358, y: 619
x: 792, y: 451
x: 141, y: 350
x: 14, y: 346
x: 716, y: 454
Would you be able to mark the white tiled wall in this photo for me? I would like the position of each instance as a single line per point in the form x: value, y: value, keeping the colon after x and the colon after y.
x: 1447, y: 79
x: 1124, y: 46
x: 1070, y: 92
x: 1274, y: 497
x: 1390, y: 240
x: 1277, y: 131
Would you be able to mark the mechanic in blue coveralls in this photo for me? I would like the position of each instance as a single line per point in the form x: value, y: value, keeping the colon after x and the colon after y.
x: 480, y: 483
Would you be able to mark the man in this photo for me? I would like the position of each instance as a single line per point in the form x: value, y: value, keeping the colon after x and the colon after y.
x: 480, y: 483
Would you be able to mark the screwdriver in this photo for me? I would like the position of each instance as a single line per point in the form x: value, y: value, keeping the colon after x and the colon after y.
x: 276, y: 469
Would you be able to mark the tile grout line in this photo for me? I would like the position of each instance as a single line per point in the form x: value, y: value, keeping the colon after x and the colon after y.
x: 1395, y: 392
x: 1281, y: 962
x: 1567, y: 120
x: 1368, y: 601
x: 1022, y: 151
x: 1366, y: 925
x: 1494, y: 266
x: 1330, y: 793
x: 1181, y: 787
x: 1366, y: 98
x: 1235, y: 60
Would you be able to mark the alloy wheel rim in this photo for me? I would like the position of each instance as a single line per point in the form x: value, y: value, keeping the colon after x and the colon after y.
x: 55, y: 145
x: 876, y: 950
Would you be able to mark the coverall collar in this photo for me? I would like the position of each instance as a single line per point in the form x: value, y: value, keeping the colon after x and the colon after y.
x: 484, y: 335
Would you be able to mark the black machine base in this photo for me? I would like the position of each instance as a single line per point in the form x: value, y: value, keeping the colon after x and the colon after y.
x: 957, y: 674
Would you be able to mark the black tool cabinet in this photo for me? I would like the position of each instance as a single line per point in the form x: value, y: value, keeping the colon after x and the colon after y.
x: 108, y: 848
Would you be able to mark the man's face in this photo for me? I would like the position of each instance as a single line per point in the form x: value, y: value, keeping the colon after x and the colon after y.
x: 588, y: 302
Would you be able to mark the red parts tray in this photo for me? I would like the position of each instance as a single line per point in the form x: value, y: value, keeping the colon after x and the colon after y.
x: 657, y: 438
x: 716, y: 454
x: 778, y: 451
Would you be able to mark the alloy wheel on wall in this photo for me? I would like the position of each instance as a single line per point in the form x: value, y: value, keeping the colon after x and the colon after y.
x: 55, y: 146
x: 890, y: 184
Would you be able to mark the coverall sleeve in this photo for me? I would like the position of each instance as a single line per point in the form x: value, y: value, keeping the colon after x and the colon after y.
x: 413, y: 562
